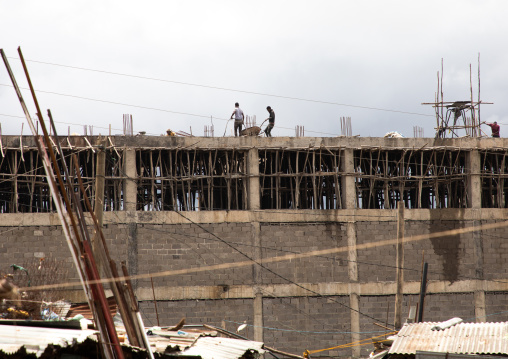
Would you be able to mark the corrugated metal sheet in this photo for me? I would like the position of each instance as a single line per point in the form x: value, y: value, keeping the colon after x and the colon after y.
x: 180, y: 339
x: 37, y: 339
x: 463, y: 338
x: 223, y: 348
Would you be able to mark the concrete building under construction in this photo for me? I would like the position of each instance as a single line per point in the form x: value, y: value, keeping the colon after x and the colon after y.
x: 295, y: 237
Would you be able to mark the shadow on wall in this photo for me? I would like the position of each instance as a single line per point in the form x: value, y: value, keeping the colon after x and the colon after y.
x: 448, y: 248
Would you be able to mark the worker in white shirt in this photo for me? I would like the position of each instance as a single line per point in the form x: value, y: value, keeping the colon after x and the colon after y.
x: 239, y: 117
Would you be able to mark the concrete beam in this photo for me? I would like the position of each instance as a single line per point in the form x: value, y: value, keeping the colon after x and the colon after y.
x: 325, y: 289
x: 348, y: 185
x: 266, y: 216
x: 474, y: 184
x: 253, y: 197
x: 130, y: 189
x: 12, y: 142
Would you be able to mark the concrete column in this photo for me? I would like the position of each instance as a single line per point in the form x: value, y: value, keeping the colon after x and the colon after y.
x: 100, y: 173
x: 348, y: 189
x: 474, y: 192
x: 354, y: 298
x: 258, y: 281
x: 479, y: 294
x: 130, y: 189
x: 254, y: 203
x: 348, y: 192
x: 354, y: 303
x: 352, y: 253
x: 399, y: 296
x: 474, y: 185
x: 479, y: 306
x: 130, y: 192
x: 132, y: 249
x: 258, y: 318
x: 253, y: 196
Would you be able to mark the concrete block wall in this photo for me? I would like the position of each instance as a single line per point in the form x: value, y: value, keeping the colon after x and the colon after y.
x: 279, y: 239
x: 457, y: 305
x: 185, y: 246
x: 497, y: 306
x: 164, y: 247
x: 314, y: 321
x: 495, y: 253
x: 467, y: 271
x: 226, y: 314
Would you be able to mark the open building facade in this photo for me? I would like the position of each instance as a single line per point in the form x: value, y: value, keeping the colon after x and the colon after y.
x: 294, y: 236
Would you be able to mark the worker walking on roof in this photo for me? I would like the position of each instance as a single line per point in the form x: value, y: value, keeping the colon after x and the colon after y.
x: 271, y: 122
x: 239, y: 117
x: 495, y: 128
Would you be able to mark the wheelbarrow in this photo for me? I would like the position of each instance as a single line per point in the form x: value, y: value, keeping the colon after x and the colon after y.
x: 252, y: 131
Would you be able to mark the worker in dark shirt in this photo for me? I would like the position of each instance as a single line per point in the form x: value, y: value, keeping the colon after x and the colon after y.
x: 271, y: 122
x: 495, y: 128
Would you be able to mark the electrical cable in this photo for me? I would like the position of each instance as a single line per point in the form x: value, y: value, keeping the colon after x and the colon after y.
x: 241, y: 252
x: 229, y: 89
x: 262, y: 266
x: 152, y: 108
x: 273, y: 272
x: 465, y: 277
x: 266, y: 292
x: 306, y: 331
x: 332, y: 258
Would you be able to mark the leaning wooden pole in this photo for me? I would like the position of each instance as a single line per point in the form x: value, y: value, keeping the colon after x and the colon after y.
x: 104, y: 319
x: 61, y: 210
x: 109, y: 267
x: 86, y: 263
x: 400, y: 266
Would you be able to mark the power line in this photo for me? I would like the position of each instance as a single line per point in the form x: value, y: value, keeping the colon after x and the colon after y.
x: 150, y: 108
x: 326, y: 257
x: 229, y: 89
x: 308, y: 254
x: 273, y: 272
x: 306, y: 331
x: 266, y: 292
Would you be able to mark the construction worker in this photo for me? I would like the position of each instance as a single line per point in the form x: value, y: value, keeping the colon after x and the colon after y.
x: 495, y: 128
x: 271, y: 122
x: 239, y: 117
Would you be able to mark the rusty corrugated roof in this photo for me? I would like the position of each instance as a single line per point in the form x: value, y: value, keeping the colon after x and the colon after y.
x: 85, y: 311
x: 463, y: 338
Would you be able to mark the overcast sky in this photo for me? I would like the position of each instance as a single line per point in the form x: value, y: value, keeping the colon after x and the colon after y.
x: 313, y: 62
